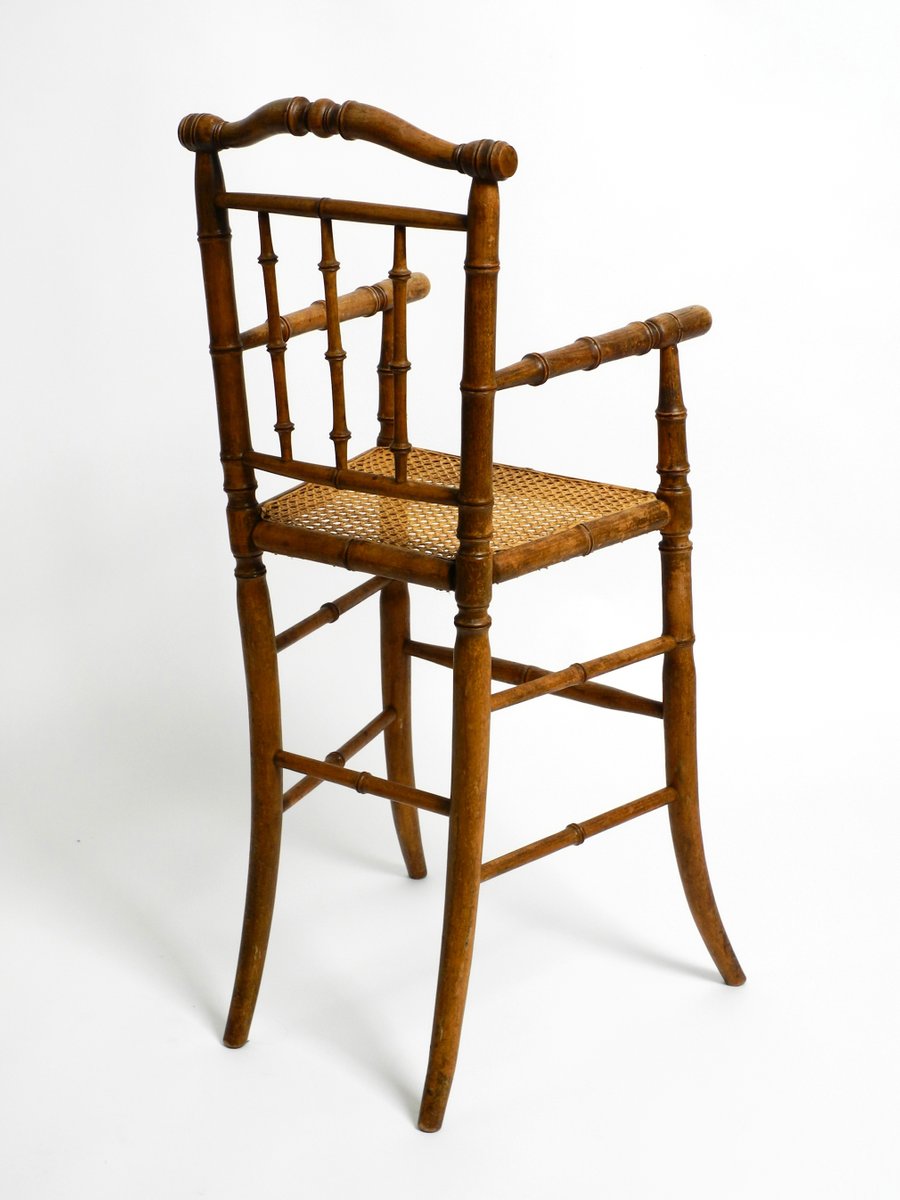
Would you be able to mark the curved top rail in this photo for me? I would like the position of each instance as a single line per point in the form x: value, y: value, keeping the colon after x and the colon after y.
x: 484, y: 159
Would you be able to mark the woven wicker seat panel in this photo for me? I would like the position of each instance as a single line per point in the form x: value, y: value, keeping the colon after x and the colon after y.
x: 528, y: 505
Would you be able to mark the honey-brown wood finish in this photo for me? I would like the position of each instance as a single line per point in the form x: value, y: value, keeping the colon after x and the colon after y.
x: 403, y: 515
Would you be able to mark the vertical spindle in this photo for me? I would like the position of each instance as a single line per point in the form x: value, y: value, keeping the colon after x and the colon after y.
x: 275, y: 343
x: 335, y: 355
x: 399, y: 275
x: 386, y: 380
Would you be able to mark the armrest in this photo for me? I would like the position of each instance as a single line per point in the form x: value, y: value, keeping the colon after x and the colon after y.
x: 364, y: 302
x: 588, y: 352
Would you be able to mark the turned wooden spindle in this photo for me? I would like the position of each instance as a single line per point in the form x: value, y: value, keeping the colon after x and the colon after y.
x: 504, y: 670
x: 363, y: 782
x: 579, y: 673
x: 363, y: 211
x: 576, y: 833
x: 386, y: 381
x: 329, y: 612
x: 329, y: 266
x: 399, y: 275
x: 339, y: 757
x: 275, y: 343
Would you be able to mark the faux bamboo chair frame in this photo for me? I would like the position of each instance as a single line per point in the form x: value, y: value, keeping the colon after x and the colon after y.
x: 470, y: 570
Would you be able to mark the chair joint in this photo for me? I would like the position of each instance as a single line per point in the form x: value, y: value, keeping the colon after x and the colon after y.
x: 580, y: 835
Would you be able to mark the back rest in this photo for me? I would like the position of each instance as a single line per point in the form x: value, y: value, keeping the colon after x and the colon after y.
x: 486, y: 162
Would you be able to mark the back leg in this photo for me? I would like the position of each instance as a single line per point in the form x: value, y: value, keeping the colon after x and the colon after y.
x: 468, y: 787
x: 261, y: 669
x: 396, y: 694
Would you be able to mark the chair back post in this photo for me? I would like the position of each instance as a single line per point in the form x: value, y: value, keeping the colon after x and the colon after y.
x: 478, y: 386
x: 214, y: 237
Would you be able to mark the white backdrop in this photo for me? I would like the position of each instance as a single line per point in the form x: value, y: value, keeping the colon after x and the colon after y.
x: 739, y: 156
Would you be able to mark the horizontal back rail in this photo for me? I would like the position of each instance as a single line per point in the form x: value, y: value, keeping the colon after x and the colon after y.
x: 342, y: 210
x: 487, y: 160
x: 586, y: 353
x: 365, y: 301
